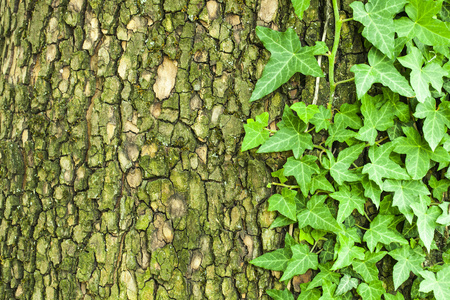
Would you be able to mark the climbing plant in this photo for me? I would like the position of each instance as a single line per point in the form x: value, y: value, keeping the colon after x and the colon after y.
x: 376, y: 185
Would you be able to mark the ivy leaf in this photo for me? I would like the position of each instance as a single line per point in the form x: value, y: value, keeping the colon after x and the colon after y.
x: 305, y: 113
x: 435, y: 120
x: 426, y: 222
x: 371, y: 291
x: 381, y: 166
x: 439, y: 187
x: 349, y: 201
x: 255, y: 134
x: 346, y: 284
x: 302, y: 169
x: 307, y: 294
x: 422, y: 24
x: 407, y: 261
x: 444, y: 218
x: 281, y: 221
x: 280, y: 175
x: 371, y: 190
x: 367, y: 268
x: 284, y: 203
x: 320, y: 182
x: 337, y: 132
x: 377, y: 18
x: 439, y: 283
x: 287, y: 58
x: 418, y: 153
x: 276, y: 260
x: 380, y: 70
x: 302, y: 260
x: 374, y: 119
x: 300, y: 6
x: 397, y: 296
x: 317, y: 215
x: 347, y: 252
x: 280, y: 295
x: 325, y: 274
x: 339, y: 169
x: 328, y: 291
x: 406, y: 192
x: 348, y: 115
x: 380, y: 232
x: 400, y: 109
x: 321, y: 119
x: 291, y: 136
x: 420, y: 79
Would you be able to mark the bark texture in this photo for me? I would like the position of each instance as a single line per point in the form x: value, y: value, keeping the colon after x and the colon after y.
x: 121, y: 174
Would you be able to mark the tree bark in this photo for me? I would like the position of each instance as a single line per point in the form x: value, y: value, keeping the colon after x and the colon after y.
x: 121, y: 174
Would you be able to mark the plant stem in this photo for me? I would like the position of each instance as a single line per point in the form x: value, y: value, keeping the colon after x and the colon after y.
x: 285, y: 185
x: 360, y: 227
x: 345, y: 81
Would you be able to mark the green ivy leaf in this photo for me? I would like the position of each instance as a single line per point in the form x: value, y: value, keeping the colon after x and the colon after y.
x: 300, y: 6
x: 302, y: 260
x: 348, y: 115
x: 305, y: 113
x: 328, y: 291
x: 380, y: 70
x: 349, y: 201
x: 255, y: 133
x: 322, y: 119
x: 302, y: 169
x: 325, y: 274
x: 276, y: 260
x: 435, y: 120
x: 400, y: 109
x: 418, y: 153
x: 371, y: 190
x: 287, y: 58
x: 281, y: 221
x: 444, y: 218
x: 280, y: 175
x: 381, y: 166
x: 374, y: 119
x: 406, y: 192
x: 317, y: 215
x: 320, y: 182
x: 377, y: 18
x: 284, y: 203
x: 291, y: 136
x: 313, y: 294
x: 346, y: 284
x: 380, y: 232
x: 422, y: 24
x: 439, y: 283
x: 397, y: 296
x: 421, y: 78
x: 347, y: 252
x: 340, y: 169
x: 280, y: 295
x: 407, y: 261
x: 371, y: 291
x: 367, y: 268
x: 426, y: 222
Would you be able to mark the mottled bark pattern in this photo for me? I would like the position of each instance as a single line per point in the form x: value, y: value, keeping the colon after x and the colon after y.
x: 121, y: 174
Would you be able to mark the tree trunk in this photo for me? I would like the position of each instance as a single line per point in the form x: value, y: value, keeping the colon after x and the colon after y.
x: 120, y: 163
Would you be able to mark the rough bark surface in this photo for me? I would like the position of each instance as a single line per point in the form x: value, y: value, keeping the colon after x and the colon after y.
x: 121, y: 174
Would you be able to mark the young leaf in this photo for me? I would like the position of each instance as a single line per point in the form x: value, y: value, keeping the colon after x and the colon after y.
x: 322, y: 119
x: 346, y: 284
x: 302, y: 169
x: 276, y: 260
x: 349, y: 201
x: 407, y: 261
x: 377, y: 18
x: 422, y: 24
x: 371, y: 291
x: 379, y: 232
x: 325, y: 274
x: 432, y: 73
x: 287, y: 58
x: 406, y: 192
x: 318, y: 216
x: 374, y: 119
x: 435, y: 120
x: 381, y: 166
x: 255, y: 134
x: 300, y: 6
x: 284, y: 203
x: 367, y: 268
x: 280, y: 295
x: 339, y: 169
x: 347, y: 252
x: 305, y: 113
x: 380, y: 69
x: 281, y: 221
x: 418, y: 153
x: 280, y: 175
x: 291, y: 136
x: 426, y: 222
x: 302, y: 260
x: 439, y: 283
